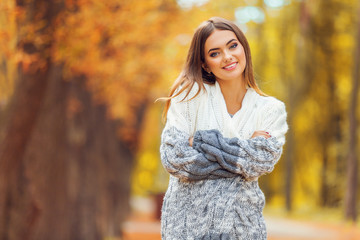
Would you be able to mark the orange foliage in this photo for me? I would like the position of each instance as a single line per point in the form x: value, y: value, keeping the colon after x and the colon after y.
x: 117, y: 46
x: 8, y: 14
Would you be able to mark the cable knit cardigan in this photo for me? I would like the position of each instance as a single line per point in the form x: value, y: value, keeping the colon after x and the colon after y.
x: 213, y: 191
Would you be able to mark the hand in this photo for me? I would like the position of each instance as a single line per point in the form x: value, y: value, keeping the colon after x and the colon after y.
x: 261, y: 134
x: 191, y: 140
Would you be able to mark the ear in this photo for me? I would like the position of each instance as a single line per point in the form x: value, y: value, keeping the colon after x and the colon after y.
x: 205, y: 67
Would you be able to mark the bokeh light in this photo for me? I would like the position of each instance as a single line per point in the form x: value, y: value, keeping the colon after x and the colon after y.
x: 276, y: 3
x: 250, y: 13
x: 187, y: 4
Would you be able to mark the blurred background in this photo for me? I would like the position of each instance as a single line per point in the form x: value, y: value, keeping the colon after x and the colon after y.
x: 80, y: 129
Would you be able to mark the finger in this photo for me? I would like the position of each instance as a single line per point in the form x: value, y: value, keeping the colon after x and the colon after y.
x: 191, y: 140
x: 266, y: 133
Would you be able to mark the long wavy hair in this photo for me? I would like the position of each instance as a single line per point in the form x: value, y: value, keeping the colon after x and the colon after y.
x: 193, y: 72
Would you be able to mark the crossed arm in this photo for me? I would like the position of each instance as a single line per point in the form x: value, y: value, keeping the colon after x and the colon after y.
x: 213, y: 156
x: 209, y: 155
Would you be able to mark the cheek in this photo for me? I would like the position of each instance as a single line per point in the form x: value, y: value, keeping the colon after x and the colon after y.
x: 242, y: 58
x: 242, y: 54
x: 212, y: 63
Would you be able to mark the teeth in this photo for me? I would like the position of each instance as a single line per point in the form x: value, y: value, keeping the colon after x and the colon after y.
x: 230, y: 66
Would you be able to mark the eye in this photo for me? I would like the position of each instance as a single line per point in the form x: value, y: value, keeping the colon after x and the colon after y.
x: 214, y: 54
x: 234, y: 45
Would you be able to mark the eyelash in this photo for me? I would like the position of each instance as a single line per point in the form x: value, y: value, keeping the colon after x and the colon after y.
x: 214, y: 54
x: 234, y: 45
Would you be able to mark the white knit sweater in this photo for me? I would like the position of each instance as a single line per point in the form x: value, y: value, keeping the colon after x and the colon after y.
x: 213, y: 191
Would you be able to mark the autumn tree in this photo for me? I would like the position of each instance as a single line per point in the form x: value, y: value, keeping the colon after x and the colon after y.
x: 73, y: 125
x: 33, y: 75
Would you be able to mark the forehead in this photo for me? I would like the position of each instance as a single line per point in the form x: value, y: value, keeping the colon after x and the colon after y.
x: 219, y: 38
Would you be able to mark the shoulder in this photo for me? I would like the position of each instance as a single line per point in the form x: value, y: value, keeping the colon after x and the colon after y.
x: 183, y: 108
x: 186, y: 101
x: 188, y: 95
x: 268, y: 103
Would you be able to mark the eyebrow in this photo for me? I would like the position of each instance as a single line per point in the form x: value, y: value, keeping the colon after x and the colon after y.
x: 212, y: 49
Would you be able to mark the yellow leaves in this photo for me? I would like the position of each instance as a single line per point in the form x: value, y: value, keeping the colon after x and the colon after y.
x: 344, y: 89
x: 143, y: 177
x: 8, y: 13
x: 5, y: 38
x: 308, y: 110
x: 308, y: 184
x: 346, y: 40
x: 148, y: 161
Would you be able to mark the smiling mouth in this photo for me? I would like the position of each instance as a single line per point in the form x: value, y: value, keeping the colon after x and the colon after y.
x: 230, y: 66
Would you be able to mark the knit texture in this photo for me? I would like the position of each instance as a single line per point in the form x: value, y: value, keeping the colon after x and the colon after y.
x: 213, y: 191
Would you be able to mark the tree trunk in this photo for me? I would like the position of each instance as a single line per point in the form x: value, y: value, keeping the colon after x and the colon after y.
x: 297, y: 90
x: 73, y: 178
x: 64, y: 172
x: 23, y: 114
x: 289, y: 159
x: 352, y: 165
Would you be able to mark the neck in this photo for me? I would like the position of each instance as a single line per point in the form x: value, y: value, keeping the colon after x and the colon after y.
x: 234, y: 93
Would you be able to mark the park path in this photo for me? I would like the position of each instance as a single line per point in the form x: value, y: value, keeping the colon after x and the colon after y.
x: 146, y: 227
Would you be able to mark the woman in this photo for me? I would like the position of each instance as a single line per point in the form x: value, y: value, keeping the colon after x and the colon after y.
x: 221, y: 134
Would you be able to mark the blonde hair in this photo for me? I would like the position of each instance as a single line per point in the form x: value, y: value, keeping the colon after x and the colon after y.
x: 193, y: 71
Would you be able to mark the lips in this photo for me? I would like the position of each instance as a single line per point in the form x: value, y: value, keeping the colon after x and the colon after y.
x: 230, y: 66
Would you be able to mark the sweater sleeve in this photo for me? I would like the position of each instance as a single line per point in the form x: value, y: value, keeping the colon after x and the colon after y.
x: 177, y: 156
x: 250, y: 158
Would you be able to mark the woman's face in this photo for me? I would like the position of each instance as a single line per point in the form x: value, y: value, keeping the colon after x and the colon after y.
x: 224, y: 56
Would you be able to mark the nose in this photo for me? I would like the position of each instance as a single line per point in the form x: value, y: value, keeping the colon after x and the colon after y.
x: 227, y: 56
